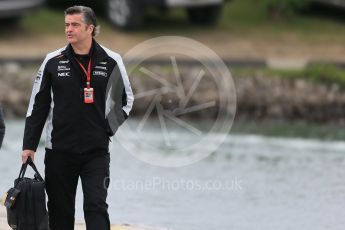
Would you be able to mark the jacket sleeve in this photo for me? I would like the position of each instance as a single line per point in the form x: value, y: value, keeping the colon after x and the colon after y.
x: 120, y: 97
x: 2, y: 126
x: 38, y: 109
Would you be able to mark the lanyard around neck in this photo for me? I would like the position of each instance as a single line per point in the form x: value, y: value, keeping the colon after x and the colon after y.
x: 87, y: 73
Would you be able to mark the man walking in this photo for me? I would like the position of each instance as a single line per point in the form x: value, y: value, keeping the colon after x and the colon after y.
x: 83, y: 93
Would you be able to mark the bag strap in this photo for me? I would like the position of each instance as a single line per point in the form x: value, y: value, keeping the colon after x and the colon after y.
x: 24, y: 167
x: 22, y: 171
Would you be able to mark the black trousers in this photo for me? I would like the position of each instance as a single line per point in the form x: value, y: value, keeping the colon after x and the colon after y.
x: 62, y: 171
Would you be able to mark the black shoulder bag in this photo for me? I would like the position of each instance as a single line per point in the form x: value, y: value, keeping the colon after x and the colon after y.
x: 26, y: 201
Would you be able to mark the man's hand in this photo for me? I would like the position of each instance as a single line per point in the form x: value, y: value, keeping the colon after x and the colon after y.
x: 28, y: 153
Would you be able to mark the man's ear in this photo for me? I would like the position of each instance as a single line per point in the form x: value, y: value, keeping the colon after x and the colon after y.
x: 91, y: 28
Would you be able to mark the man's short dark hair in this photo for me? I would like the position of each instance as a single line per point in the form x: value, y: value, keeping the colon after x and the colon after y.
x: 89, y: 16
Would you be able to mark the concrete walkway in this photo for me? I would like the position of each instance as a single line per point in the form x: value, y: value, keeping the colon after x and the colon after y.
x: 78, y: 226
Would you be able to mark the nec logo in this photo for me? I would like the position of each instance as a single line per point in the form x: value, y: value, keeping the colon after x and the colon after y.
x: 63, y: 74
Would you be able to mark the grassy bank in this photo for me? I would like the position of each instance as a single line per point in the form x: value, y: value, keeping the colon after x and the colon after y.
x: 240, y: 17
x: 327, y: 131
x: 314, y: 23
x: 329, y: 74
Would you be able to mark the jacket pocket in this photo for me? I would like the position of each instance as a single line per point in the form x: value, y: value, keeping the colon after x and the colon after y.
x: 115, y: 119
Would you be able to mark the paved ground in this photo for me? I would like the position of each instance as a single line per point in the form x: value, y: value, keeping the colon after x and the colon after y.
x: 286, y: 51
x: 78, y: 226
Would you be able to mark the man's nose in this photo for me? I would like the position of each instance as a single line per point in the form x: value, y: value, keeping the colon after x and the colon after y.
x: 68, y: 28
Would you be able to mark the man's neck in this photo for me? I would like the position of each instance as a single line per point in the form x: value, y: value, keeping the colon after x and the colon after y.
x: 82, y: 48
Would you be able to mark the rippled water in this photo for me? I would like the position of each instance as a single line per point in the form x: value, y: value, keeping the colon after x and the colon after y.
x: 250, y: 182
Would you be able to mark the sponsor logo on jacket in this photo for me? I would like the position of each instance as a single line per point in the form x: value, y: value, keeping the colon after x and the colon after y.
x: 63, y: 74
x: 100, y: 67
x: 63, y: 68
x: 99, y: 73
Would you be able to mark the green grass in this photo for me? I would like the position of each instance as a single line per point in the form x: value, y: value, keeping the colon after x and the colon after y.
x: 44, y: 21
x: 317, y: 73
x: 240, y: 17
x: 323, y: 73
x: 291, y: 129
x: 243, y: 17
x: 249, y: 17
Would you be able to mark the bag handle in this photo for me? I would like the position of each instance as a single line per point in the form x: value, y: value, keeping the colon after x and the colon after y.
x: 22, y: 171
x: 24, y: 167
x: 33, y: 166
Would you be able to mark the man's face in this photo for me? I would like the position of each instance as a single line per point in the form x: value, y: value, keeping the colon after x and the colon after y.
x: 76, y: 30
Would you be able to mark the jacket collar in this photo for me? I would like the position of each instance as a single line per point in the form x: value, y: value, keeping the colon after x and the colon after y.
x: 97, y: 53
